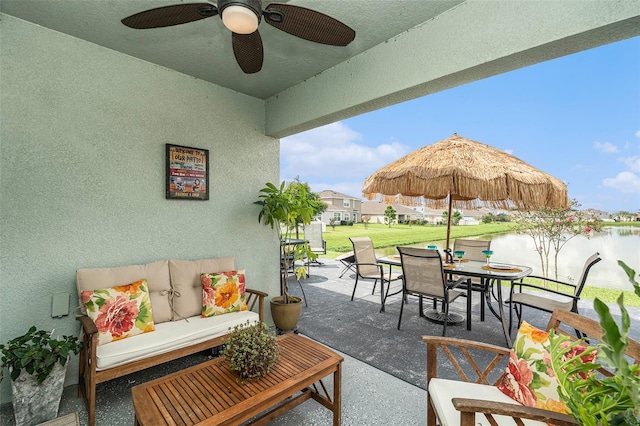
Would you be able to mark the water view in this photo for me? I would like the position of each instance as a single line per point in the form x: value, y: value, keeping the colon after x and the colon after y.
x: 613, y: 244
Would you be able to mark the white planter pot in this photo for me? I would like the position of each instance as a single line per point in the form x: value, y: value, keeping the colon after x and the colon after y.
x: 34, y: 402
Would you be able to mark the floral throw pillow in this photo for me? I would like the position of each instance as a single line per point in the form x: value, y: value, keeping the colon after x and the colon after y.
x: 529, y: 377
x: 119, y: 312
x: 222, y: 293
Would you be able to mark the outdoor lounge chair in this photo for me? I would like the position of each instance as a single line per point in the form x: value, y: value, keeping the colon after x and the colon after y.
x: 554, y: 299
x: 313, y: 234
x: 423, y: 276
x: 367, y: 267
x: 473, y: 251
x: 474, y: 398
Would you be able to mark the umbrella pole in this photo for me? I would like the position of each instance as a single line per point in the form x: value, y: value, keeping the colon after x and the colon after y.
x: 449, y: 257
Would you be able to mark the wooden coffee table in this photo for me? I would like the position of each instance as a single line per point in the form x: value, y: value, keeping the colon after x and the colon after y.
x: 209, y: 394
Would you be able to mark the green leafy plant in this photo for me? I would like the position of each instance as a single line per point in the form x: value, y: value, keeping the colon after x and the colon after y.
x: 283, y: 208
x: 251, y: 350
x: 37, y: 352
x: 595, y: 399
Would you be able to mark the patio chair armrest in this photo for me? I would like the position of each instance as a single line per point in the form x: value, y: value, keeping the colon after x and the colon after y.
x: 367, y: 263
x: 537, y: 277
x: 458, y: 283
x: 379, y: 266
x: 469, y: 407
x: 538, y: 288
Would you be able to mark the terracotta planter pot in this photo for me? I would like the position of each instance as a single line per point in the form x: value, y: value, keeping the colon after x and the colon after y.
x: 286, y: 315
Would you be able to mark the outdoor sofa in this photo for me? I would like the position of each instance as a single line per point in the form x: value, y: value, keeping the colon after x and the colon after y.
x: 174, y: 290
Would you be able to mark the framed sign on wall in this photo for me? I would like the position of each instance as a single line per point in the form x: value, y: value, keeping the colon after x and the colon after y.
x: 187, y: 173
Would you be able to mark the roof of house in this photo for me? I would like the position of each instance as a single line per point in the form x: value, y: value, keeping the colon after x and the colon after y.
x: 378, y: 208
x: 328, y: 193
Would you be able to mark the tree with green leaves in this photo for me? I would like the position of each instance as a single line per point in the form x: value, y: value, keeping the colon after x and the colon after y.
x: 456, y: 217
x: 302, y: 189
x: 488, y: 218
x: 389, y: 215
x: 551, y: 229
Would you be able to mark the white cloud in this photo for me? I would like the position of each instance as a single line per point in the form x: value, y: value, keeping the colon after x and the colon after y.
x: 625, y: 182
x: 633, y: 163
x: 605, y: 147
x: 333, y: 152
x: 509, y: 151
x: 638, y: 134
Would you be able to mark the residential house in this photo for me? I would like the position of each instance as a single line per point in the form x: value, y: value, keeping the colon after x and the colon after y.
x: 341, y: 207
x: 375, y: 210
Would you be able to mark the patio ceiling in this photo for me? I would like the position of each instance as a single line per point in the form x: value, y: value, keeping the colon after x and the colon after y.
x: 202, y: 49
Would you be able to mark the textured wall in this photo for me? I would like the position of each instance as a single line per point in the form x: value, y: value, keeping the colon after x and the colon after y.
x: 82, y: 172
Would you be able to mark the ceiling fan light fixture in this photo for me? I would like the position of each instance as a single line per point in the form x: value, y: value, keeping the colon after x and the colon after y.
x: 240, y: 17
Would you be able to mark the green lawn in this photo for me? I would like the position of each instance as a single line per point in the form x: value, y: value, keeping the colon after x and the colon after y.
x: 383, y: 236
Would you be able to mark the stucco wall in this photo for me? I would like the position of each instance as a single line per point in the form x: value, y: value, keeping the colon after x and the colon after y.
x: 83, y: 136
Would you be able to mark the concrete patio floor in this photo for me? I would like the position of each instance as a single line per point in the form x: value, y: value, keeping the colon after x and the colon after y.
x: 370, y: 396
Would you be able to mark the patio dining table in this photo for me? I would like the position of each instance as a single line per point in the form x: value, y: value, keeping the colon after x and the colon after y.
x: 492, y: 273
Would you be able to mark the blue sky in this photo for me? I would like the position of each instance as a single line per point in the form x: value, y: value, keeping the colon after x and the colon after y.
x: 575, y: 117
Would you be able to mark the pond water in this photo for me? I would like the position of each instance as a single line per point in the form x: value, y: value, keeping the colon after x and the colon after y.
x: 613, y: 244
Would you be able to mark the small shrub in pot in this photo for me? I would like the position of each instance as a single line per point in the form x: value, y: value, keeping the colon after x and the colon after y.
x: 251, y: 350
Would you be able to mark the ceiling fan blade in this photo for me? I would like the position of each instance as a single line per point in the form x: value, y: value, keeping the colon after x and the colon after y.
x: 170, y: 15
x: 248, y: 51
x: 308, y: 24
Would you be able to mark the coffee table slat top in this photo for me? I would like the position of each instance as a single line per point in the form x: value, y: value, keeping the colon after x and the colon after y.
x: 209, y: 393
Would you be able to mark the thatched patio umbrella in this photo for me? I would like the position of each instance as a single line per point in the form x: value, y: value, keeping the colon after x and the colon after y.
x: 466, y: 174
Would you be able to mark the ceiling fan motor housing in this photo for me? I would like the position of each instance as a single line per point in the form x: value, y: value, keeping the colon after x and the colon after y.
x: 253, y: 5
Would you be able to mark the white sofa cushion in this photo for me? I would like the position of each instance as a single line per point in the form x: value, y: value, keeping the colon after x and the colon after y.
x: 156, y: 274
x: 185, y: 279
x: 442, y: 391
x: 169, y: 336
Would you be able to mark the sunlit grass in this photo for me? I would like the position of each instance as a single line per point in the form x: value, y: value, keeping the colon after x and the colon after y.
x: 383, y: 236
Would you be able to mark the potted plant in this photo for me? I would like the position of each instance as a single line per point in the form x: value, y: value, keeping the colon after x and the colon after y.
x: 251, y: 350
x: 37, y: 362
x: 283, y: 208
x: 593, y: 399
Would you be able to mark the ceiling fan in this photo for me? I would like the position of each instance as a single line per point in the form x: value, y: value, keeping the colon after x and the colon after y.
x: 242, y: 17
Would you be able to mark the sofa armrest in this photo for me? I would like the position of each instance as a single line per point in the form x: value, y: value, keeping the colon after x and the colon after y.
x: 87, y: 324
x: 256, y: 297
x: 469, y: 407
